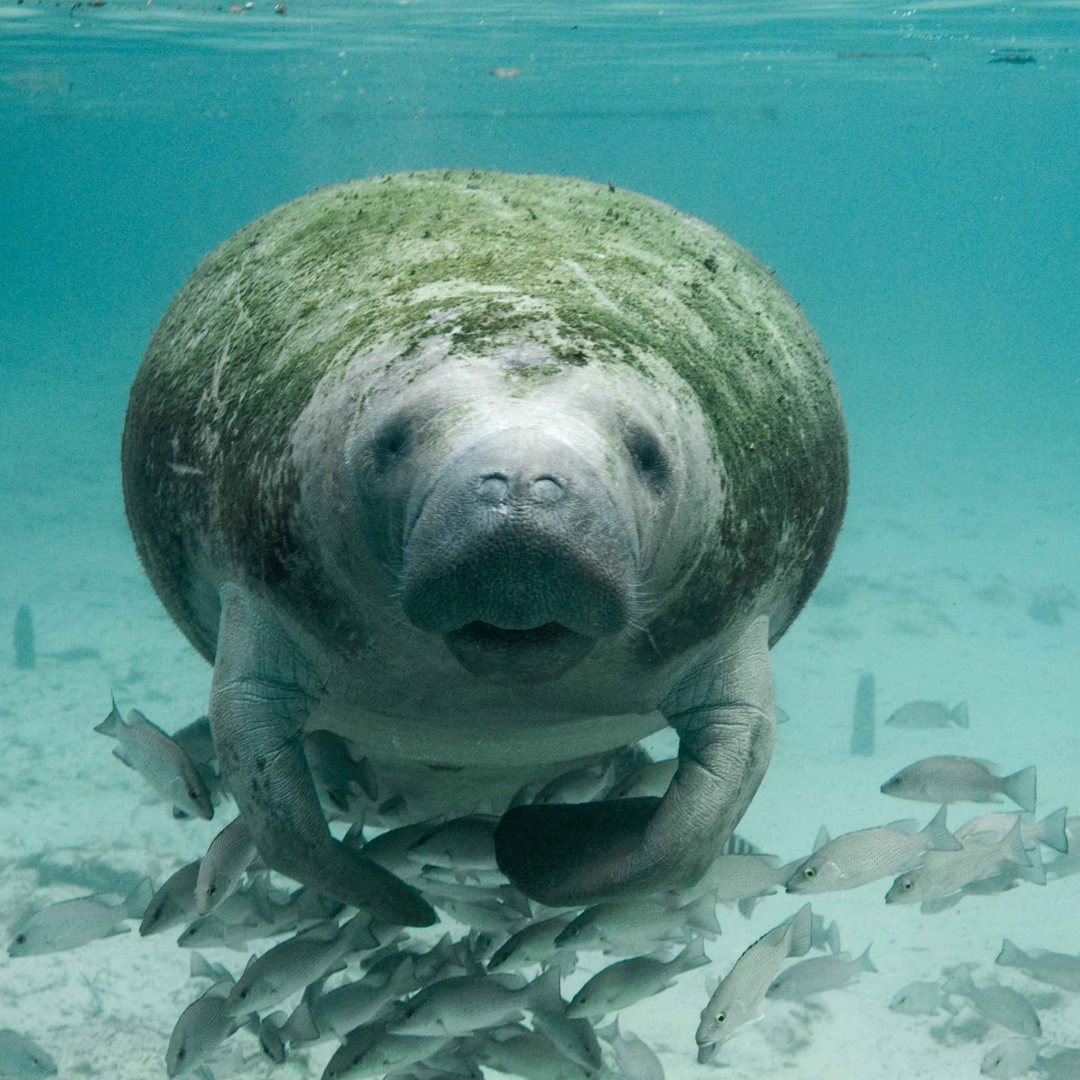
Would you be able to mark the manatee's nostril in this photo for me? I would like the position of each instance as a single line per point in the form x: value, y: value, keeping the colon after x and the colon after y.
x: 546, y: 489
x: 493, y: 488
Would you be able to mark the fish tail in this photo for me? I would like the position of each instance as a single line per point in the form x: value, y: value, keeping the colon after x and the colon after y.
x: 544, y: 993
x: 937, y: 832
x: 832, y: 937
x: 610, y: 1032
x: 701, y: 914
x: 691, y: 957
x: 799, y: 931
x: 1052, y: 830
x: 301, y: 1026
x: 138, y: 900
x: 112, y: 725
x: 959, y: 982
x: 364, y: 775
x: 1020, y: 787
x: 1011, y: 955
x: 864, y: 961
x: 959, y: 715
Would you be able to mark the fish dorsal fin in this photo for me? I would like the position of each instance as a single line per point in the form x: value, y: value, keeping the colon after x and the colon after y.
x: 220, y: 989
x: 905, y: 825
x: 821, y: 839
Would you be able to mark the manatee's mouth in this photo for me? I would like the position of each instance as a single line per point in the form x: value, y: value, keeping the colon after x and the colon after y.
x: 534, y: 654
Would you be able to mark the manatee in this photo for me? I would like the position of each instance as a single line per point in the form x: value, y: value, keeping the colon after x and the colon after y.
x: 493, y: 475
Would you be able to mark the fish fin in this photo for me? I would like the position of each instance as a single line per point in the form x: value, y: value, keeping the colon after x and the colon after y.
x: 799, y: 931
x: 937, y: 833
x: 356, y: 934
x: 692, y: 956
x: 987, y: 764
x: 940, y: 903
x: 832, y: 937
x: 355, y: 836
x: 301, y: 1026
x: 905, y: 825
x: 1052, y: 830
x: 119, y: 928
x: 864, y: 961
x: 1010, y: 955
x: 112, y: 725
x: 1036, y: 872
x: 821, y: 839
x: 365, y: 779
x: 544, y: 992
x: 747, y: 905
x: 609, y: 1032
x: 959, y: 982
x: 959, y: 714
x: 1012, y: 846
x: 138, y: 900
x: 121, y: 755
x: 220, y: 989
x: 1020, y: 787
x: 701, y: 914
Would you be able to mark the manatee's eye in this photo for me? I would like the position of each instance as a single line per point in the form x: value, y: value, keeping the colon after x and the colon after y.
x: 809, y: 872
x: 720, y: 1018
x: 648, y: 454
x: 391, y: 441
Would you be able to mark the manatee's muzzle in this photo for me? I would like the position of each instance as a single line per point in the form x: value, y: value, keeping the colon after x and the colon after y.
x: 520, y: 559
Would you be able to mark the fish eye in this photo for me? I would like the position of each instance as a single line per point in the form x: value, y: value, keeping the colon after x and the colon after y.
x: 907, y: 885
x: 210, y: 890
x: 809, y: 872
x: 180, y: 1054
x: 720, y: 1018
x: 193, y: 795
x: 20, y: 939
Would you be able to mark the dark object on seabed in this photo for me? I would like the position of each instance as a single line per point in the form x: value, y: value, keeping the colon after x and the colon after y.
x: 25, y: 652
x: 1012, y: 58
x: 862, y: 727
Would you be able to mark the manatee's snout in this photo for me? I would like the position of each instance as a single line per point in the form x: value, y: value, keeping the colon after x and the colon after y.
x: 520, y: 558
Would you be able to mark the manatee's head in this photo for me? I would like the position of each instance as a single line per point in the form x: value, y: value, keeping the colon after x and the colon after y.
x: 519, y: 503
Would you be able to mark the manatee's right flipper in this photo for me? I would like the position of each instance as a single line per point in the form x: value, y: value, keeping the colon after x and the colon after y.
x: 262, y: 693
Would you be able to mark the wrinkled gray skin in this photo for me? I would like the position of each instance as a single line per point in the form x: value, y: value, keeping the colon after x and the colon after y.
x: 486, y: 557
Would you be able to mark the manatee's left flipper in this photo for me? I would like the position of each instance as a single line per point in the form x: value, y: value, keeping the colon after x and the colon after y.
x: 581, y: 854
x: 261, y: 696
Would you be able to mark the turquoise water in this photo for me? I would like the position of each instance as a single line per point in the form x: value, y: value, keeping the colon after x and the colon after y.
x: 913, y: 186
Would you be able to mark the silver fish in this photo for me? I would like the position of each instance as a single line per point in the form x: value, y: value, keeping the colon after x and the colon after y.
x: 736, y: 1000
x: 281, y: 971
x: 639, y: 922
x: 819, y: 973
x: 636, y: 1060
x: 532, y: 944
x: 857, y: 858
x: 459, y: 1006
x: 465, y: 843
x: 530, y: 1056
x: 1057, y: 969
x: 577, y: 786
x: 338, y: 769
x: 72, y: 923
x: 161, y: 762
x: 575, y: 1038
x: 959, y: 779
x: 21, y: 1058
x: 1051, y: 831
x: 649, y: 780
x: 921, y: 999
x: 173, y: 903
x: 203, y: 1026
x: 324, y: 1015
x: 999, y: 1004
x: 945, y: 872
x: 741, y: 879
x: 1062, y: 1064
x: 371, y: 1050
x: 929, y: 714
x: 627, y: 981
x: 223, y: 866
x: 1014, y: 1057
